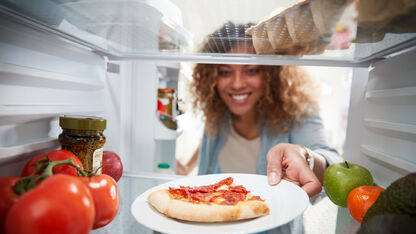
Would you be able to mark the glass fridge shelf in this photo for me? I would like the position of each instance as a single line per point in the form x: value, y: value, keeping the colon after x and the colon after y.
x: 289, y: 32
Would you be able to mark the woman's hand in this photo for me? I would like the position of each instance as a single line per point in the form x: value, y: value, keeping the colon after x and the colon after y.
x: 181, y: 169
x: 286, y: 161
x: 189, y: 166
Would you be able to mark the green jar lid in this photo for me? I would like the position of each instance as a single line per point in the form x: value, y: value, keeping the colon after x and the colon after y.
x: 163, y: 165
x: 82, y: 122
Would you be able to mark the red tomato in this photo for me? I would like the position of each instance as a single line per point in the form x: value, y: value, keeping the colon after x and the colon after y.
x: 105, y: 194
x: 59, y: 204
x: 56, y: 155
x: 7, y: 197
x: 112, y: 165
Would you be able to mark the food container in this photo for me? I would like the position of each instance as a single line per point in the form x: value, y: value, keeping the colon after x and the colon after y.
x: 167, y: 98
x: 300, y: 25
x: 83, y: 136
x: 326, y: 14
x: 279, y: 33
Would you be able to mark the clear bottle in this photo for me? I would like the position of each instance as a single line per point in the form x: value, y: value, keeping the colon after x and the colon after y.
x: 83, y: 136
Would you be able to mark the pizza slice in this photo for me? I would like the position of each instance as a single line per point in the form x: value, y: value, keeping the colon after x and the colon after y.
x: 218, y: 202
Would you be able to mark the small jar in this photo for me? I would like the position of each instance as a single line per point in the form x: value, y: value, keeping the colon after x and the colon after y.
x: 83, y: 136
x: 167, y: 98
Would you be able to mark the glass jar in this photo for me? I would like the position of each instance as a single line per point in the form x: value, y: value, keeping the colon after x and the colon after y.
x: 167, y: 98
x: 83, y: 136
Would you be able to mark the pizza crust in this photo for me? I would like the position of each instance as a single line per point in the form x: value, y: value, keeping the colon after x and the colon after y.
x: 200, y: 212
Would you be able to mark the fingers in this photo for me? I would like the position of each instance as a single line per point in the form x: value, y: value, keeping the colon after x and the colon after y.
x: 312, y: 188
x: 274, y: 166
x: 309, y: 182
x: 284, y: 161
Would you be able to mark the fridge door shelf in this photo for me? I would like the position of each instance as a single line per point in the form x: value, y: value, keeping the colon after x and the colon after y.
x: 409, y: 129
x: 170, y: 65
x: 26, y: 91
x: 30, y: 110
x: 402, y: 95
x: 168, y: 72
x: 390, y: 160
x: 15, y: 152
x: 20, y: 75
x: 161, y: 132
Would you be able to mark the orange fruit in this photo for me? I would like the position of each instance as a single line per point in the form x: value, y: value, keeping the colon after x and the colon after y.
x: 360, y: 199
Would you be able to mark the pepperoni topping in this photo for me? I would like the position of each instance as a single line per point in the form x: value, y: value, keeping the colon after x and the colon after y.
x: 226, y: 181
x: 210, y: 193
x: 232, y: 198
x: 239, y: 189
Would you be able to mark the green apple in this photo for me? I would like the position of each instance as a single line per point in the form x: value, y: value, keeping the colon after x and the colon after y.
x: 341, y: 178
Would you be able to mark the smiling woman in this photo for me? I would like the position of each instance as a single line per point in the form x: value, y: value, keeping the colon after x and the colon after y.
x: 259, y: 119
x: 282, y: 95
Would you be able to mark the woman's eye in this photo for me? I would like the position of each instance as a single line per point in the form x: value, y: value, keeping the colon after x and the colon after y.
x: 224, y: 73
x: 252, y: 71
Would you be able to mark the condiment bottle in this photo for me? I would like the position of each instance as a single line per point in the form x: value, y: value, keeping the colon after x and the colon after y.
x: 83, y: 136
x: 167, y: 98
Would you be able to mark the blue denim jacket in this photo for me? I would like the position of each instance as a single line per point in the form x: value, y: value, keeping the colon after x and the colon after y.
x: 310, y: 134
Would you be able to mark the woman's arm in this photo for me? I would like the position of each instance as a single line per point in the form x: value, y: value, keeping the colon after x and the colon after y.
x: 191, y: 164
x: 311, y: 135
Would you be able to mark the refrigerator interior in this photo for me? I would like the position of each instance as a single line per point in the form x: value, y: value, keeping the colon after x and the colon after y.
x: 68, y: 49
x: 108, y: 58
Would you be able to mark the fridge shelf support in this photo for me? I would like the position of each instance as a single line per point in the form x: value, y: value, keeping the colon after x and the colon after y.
x: 391, y: 126
x: 11, y: 153
x: 408, y: 93
x: 13, y: 74
x: 47, y: 110
x: 389, y: 159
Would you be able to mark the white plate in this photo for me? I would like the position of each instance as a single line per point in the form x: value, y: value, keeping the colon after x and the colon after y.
x: 285, y: 200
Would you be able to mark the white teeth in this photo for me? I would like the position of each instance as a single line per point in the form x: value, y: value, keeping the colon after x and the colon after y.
x: 239, y: 97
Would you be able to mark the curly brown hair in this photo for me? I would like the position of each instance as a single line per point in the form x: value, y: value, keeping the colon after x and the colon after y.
x: 289, y: 93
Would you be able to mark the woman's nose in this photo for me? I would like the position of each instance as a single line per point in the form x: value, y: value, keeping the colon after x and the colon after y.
x: 238, y: 81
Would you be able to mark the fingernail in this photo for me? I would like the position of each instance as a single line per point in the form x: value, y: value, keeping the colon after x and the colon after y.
x: 272, y: 178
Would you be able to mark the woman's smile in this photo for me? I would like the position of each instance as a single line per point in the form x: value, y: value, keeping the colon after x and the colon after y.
x: 240, y: 98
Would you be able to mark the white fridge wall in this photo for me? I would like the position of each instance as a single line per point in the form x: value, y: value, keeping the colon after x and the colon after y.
x: 381, y: 131
x: 41, y: 78
x: 143, y: 116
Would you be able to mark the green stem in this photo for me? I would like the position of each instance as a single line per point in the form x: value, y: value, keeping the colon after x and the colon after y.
x: 69, y: 161
x: 27, y: 183
x: 41, y: 164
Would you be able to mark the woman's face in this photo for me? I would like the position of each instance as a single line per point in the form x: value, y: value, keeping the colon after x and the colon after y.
x: 240, y: 87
